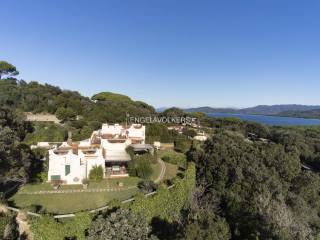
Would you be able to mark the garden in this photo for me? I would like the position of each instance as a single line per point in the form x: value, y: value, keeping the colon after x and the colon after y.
x: 42, y: 197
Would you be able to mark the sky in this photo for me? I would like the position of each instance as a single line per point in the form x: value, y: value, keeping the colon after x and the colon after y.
x: 169, y: 52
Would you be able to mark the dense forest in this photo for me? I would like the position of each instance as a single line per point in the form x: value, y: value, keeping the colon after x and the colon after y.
x: 247, y: 181
x: 257, y: 188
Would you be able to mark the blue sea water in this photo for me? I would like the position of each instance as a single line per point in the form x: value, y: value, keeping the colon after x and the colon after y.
x: 270, y: 120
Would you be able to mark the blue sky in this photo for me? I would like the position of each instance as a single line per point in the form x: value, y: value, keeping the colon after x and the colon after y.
x: 169, y: 52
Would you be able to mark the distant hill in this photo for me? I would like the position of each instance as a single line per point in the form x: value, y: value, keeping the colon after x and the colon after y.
x: 279, y: 110
x: 314, y: 113
x: 161, y: 109
x: 212, y: 110
x: 276, y: 109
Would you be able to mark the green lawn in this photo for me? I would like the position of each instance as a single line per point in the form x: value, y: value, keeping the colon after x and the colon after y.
x: 172, y: 157
x: 171, y: 171
x: 71, y: 202
x: 105, y: 183
x: 61, y: 203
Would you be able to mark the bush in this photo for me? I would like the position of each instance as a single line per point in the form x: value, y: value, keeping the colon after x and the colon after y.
x: 96, y: 173
x: 166, y: 158
x: 146, y: 186
x: 121, y: 224
x: 173, y: 157
x: 158, y: 132
x: 140, y: 166
x: 47, y: 228
x: 42, y: 176
x: 182, y: 144
x: 144, y: 169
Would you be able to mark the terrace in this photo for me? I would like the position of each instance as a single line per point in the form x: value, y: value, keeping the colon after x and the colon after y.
x: 113, y: 170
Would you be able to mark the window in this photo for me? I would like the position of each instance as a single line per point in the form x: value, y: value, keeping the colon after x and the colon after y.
x: 67, y: 169
x: 55, y: 177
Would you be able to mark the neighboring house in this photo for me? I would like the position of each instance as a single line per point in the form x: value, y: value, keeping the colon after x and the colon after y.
x: 70, y: 163
x: 201, y: 136
x: 45, y: 145
x: 177, y: 128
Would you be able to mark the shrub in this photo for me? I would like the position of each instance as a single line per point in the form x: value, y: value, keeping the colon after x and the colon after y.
x: 96, y: 173
x: 47, y: 228
x: 173, y: 157
x: 158, y: 132
x: 182, y: 144
x: 146, y: 186
x: 144, y: 169
x: 121, y: 224
x: 140, y: 166
x: 166, y: 158
x: 42, y: 176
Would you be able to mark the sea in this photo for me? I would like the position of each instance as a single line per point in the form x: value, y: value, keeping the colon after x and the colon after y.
x: 269, y: 120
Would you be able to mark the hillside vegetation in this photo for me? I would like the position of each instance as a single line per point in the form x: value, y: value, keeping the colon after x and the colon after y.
x: 247, y: 181
x: 80, y: 114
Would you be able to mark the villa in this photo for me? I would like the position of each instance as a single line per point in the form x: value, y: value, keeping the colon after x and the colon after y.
x: 70, y: 163
x: 201, y: 136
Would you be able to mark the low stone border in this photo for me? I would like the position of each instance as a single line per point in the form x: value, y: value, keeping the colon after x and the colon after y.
x: 76, y: 191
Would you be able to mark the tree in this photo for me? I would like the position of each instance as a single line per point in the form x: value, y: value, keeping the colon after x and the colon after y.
x: 17, y: 161
x: 207, y: 227
x: 173, y: 112
x: 140, y: 166
x: 65, y: 114
x: 96, y: 173
x: 122, y: 225
x: 7, y: 69
x: 159, y: 132
x: 189, y: 132
x: 259, y: 187
x: 182, y: 144
x: 109, y: 96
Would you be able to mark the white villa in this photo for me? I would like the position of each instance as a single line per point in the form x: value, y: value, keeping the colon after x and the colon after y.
x: 70, y: 163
